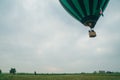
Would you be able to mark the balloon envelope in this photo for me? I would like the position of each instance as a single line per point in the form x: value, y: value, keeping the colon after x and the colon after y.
x: 85, y: 11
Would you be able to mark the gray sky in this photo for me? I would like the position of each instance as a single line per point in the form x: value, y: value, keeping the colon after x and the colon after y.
x: 39, y: 35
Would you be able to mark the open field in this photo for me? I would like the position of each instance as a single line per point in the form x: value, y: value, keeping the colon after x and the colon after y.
x: 61, y: 77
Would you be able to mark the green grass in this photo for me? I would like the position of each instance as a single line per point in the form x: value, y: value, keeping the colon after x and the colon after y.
x: 61, y: 77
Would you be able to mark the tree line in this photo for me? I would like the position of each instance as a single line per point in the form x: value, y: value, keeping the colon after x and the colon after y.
x: 13, y: 71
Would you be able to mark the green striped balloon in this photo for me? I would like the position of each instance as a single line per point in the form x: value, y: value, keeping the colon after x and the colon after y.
x: 85, y: 11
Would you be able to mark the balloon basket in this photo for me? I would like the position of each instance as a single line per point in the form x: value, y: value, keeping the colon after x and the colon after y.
x: 92, y: 33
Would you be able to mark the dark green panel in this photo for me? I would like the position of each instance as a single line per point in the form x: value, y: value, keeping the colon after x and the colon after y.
x: 105, y: 5
x: 76, y: 3
x: 86, y: 3
x: 95, y: 3
x: 74, y: 8
x: 81, y: 3
x: 102, y: 3
x: 91, y: 6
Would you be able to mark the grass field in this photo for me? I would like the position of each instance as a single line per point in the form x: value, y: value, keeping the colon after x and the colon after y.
x: 61, y: 77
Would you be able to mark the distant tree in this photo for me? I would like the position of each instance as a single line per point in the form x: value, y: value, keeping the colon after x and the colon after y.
x: 12, y: 71
x: 109, y: 72
x: 95, y: 72
x: 35, y: 73
x: 102, y: 72
x: 83, y: 73
x: 0, y: 71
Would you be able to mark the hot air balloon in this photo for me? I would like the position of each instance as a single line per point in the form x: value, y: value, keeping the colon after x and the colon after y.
x: 86, y: 11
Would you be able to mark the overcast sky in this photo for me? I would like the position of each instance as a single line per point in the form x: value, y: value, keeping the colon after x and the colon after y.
x: 39, y: 35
